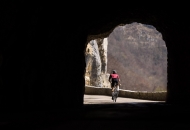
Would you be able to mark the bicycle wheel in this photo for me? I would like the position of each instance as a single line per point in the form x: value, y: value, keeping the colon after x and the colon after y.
x: 115, y: 94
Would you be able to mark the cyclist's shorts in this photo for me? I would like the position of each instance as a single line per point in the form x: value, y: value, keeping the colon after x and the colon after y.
x: 113, y: 82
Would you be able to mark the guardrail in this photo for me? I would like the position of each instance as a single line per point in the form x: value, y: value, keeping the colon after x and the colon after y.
x: 156, y: 96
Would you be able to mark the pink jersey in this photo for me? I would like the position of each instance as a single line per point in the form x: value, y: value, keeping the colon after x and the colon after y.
x: 114, y: 76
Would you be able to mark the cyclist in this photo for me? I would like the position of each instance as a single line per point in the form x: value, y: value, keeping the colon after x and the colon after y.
x: 114, y: 78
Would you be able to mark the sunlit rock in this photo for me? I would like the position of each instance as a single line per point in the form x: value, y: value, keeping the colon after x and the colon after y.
x: 96, y: 63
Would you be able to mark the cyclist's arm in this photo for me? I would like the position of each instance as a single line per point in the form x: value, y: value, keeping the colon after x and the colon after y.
x: 109, y: 78
x: 118, y: 78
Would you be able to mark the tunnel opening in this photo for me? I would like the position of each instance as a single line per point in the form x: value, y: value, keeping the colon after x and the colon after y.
x: 139, y: 54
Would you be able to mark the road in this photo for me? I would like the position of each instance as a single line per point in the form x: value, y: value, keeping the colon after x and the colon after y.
x: 102, y: 99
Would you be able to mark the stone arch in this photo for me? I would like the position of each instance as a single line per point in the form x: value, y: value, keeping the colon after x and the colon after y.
x: 46, y: 52
x: 172, y: 35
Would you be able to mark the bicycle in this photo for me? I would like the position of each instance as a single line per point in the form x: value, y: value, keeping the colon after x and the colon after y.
x: 115, y: 92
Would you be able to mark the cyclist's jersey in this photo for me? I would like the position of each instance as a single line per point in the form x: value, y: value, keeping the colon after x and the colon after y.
x: 114, y: 76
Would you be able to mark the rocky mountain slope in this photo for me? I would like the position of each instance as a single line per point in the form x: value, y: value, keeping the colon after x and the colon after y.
x: 139, y: 54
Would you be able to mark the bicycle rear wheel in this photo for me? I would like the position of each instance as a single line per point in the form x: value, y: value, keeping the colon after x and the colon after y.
x: 115, y: 94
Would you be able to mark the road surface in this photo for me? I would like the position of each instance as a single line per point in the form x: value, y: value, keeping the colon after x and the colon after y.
x: 102, y: 99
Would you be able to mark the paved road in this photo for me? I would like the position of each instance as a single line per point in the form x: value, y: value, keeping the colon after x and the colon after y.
x: 102, y: 99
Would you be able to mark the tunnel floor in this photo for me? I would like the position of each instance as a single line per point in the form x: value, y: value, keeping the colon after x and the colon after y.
x: 129, y: 116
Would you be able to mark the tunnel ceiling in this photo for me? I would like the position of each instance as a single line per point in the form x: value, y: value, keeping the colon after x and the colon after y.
x: 161, y: 19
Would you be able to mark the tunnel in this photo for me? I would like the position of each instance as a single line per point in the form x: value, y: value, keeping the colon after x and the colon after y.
x: 42, y: 62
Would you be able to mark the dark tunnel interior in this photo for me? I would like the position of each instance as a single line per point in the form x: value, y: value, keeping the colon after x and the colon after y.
x: 42, y: 60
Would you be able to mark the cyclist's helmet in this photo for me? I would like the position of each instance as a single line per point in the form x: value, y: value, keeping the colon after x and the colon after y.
x: 114, y: 72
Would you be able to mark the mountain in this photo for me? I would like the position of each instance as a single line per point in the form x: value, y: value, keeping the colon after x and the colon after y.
x: 139, y: 54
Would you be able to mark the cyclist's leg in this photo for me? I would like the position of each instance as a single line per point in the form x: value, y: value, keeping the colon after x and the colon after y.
x: 115, y: 85
x: 116, y: 91
x: 112, y: 86
x: 112, y: 89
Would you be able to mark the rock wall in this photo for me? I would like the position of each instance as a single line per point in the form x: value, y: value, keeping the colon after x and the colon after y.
x: 96, y: 63
x: 155, y: 96
x: 93, y: 64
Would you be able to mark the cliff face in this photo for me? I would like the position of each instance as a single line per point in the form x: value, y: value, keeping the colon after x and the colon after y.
x: 96, y: 63
x: 139, y: 55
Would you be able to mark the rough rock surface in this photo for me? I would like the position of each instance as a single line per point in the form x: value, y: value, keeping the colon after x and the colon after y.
x: 96, y: 63
x: 139, y: 54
